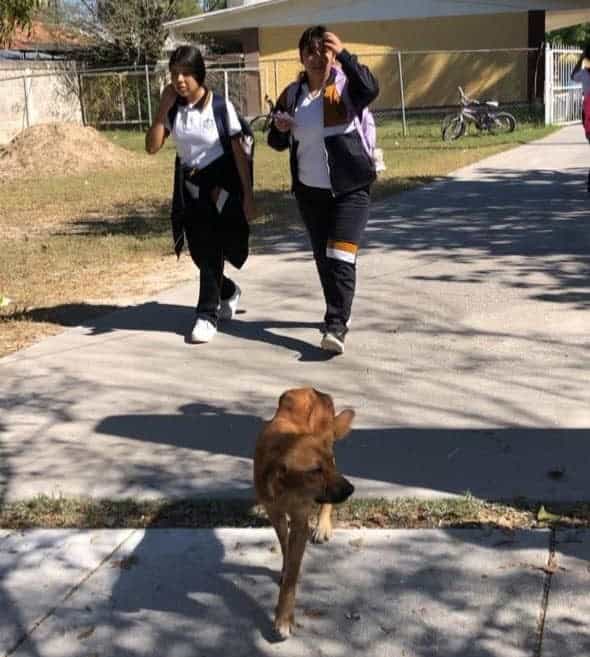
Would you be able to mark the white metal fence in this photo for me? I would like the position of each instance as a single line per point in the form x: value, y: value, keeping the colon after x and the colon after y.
x: 563, y: 96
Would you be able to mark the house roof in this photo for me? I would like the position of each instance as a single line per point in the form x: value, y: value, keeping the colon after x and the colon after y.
x: 558, y: 19
x: 208, y: 19
x: 47, y: 38
x: 267, y: 13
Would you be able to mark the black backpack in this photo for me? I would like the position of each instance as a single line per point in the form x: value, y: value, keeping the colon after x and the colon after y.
x: 221, y: 121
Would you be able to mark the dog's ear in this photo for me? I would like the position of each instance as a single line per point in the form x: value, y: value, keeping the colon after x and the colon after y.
x: 342, y: 423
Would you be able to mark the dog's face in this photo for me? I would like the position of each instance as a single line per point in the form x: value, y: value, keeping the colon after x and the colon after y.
x: 305, y: 468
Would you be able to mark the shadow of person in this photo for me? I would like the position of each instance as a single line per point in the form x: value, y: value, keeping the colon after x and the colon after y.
x: 269, y: 332
x: 160, y: 317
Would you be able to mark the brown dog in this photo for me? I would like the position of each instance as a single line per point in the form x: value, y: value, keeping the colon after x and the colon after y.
x: 294, y: 469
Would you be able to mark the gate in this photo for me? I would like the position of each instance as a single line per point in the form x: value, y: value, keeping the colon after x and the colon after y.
x: 563, y: 96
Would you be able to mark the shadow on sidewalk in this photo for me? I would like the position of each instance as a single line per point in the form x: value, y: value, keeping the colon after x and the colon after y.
x: 12, y: 623
x: 536, y: 221
x: 508, y: 464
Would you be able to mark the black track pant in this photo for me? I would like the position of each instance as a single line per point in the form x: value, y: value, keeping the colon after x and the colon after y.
x: 206, y: 249
x: 335, y: 226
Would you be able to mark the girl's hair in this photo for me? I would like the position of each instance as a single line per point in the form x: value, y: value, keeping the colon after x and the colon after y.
x: 190, y: 57
x: 311, y: 38
x: 587, y: 50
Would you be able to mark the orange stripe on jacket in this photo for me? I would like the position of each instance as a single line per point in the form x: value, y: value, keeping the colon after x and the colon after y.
x: 335, y: 111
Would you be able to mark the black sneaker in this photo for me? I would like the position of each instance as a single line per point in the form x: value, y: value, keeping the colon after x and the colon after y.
x: 333, y: 341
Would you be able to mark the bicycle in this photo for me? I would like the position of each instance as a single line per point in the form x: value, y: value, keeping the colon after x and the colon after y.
x: 262, y: 122
x: 481, y: 114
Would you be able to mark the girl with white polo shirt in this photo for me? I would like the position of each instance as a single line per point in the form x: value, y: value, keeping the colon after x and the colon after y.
x: 581, y: 74
x: 213, y: 199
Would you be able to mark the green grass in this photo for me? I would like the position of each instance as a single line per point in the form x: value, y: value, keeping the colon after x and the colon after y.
x: 65, y: 239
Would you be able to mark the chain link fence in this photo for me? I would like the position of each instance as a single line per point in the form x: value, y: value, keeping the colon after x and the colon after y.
x: 416, y: 81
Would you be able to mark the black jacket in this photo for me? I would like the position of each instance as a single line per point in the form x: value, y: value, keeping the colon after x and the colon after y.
x: 349, y: 90
x: 231, y: 223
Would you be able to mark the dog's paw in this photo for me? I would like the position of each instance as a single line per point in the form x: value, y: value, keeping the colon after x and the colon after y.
x: 322, y: 532
x: 283, y: 628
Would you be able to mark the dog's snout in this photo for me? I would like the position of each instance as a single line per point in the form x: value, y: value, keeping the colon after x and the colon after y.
x: 347, y: 489
x: 337, y: 491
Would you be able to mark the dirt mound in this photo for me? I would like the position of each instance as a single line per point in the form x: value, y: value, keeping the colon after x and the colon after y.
x: 60, y: 149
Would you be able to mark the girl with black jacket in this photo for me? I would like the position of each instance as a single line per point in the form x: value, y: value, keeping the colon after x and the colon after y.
x: 332, y: 170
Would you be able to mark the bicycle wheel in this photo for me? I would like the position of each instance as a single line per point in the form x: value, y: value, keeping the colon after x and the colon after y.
x: 454, y: 129
x: 502, y: 123
x: 445, y: 122
x: 260, y: 123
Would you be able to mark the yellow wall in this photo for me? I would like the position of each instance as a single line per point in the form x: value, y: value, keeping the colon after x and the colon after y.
x: 429, y: 79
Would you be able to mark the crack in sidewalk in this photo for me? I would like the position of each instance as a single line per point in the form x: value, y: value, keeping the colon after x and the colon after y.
x: 549, y: 569
x: 36, y: 624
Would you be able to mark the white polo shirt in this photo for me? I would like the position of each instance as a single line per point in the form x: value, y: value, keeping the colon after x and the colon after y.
x: 195, y: 132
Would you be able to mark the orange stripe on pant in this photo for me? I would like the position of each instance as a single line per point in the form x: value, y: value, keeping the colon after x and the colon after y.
x: 345, y: 251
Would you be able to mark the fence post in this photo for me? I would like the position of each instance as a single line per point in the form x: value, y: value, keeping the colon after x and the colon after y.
x: 276, y: 67
x: 81, y: 96
x: 225, y: 86
x: 402, y: 96
x: 27, y: 115
x: 123, y: 112
x: 149, y: 94
x: 548, y: 85
x: 138, y: 101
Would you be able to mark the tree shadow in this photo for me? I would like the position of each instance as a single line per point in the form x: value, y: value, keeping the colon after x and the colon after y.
x: 13, y: 624
x: 196, y: 592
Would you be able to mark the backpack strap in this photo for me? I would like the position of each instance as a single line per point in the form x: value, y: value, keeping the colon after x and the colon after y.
x: 222, y: 123
x: 220, y: 115
x: 172, y: 112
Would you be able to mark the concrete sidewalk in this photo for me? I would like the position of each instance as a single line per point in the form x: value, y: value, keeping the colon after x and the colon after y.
x: 467, y: 362
x: 186, y: 593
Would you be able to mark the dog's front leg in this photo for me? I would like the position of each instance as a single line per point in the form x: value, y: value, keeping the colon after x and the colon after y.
x: 323, y: 530
x: 280, y: 523
x: 285, y: 613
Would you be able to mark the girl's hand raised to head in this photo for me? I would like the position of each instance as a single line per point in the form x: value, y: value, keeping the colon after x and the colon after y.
x: 168, y: 97
x: 332, y: 42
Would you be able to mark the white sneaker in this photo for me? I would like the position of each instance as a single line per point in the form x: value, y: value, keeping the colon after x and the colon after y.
x: 228, y: 307
x: 333, y: 342
x: 203, y: 330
